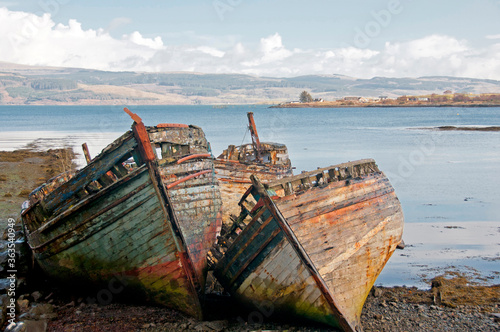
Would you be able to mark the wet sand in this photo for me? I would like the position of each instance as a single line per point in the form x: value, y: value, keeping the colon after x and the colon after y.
x: 45, y: 140
x: 470, y: 248
x: 21, y: 171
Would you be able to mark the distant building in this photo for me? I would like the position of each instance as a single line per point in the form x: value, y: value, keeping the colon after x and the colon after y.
x: 383, y: 97
x: 318, y: 100
x: 423, y: 99
x: 352, y: 98
x: 447, y: 92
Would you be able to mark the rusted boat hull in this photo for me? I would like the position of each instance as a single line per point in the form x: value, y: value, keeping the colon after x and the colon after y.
x: 269, y: 161
x: 234, y: 179
x: 332, y: 232
x: 192, y: 188
x: 110, y: 222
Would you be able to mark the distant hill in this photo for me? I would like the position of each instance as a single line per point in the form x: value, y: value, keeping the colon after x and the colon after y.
x: 20, y: 84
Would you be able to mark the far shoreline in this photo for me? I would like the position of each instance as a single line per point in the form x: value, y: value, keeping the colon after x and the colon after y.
x: 454, y: 128
x: 329, y: 105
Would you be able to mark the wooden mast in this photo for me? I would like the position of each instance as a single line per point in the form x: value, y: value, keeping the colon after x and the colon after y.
x: 86, y: 152
x: 255, y: 136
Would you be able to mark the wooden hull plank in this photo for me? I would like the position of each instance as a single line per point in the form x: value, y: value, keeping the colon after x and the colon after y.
x: 155, y: 240
x: 338, y: 226
x: 64, y: 195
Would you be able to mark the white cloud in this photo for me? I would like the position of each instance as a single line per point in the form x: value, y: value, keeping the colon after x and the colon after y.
x: 211, y: 51
x: 438, y: 55
x: 136, y: 38
x: 272, y: 49
x: 434, y: 46
x: 493, y: 36
x: 37, y: 40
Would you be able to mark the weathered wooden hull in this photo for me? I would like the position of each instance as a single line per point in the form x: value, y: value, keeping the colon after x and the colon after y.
x: 100, y: 227
x: 194, y: 193
x: 316, y: 251
x: 234, y: 179
x: 267, y: 160
x: 239, y: 172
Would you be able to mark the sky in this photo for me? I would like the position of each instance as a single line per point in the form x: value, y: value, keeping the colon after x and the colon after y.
x: 273, y: 38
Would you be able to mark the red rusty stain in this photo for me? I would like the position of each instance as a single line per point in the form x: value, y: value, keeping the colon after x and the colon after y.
x: 193, y: 156
x: 259, y: 204
x: 171, y: 269
x: 341, y: 190
x: 172, y: 125
x: 184, y: 179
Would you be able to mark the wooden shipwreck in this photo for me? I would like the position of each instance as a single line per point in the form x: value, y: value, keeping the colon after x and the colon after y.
x: 145, y: 211
x: 269, y: 161
x: 312, y: 245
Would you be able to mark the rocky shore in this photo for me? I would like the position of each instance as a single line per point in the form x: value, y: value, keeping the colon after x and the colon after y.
x: 386, y: 309
x: 452, y: 303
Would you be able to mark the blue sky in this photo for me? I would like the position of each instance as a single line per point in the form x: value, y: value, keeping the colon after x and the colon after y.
x: 396, y: 38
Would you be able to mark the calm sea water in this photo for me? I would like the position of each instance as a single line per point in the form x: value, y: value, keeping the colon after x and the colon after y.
x: 443, y: 179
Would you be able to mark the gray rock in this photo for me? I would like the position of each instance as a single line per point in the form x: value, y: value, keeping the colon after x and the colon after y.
x: 25, y: 316
x: 217, y: 326
x: 41, y: 309
x: 16, y: 327
x: 21, y: 282
x: 36, y: 295
x: 23, y: 304
x: 4, y: 299
x: 4, y: 256
x: 4, y: 285
x: 377, y: 292
x: 69, y: 305
x: 435, y: 307
x: 48, y: 316
x: 35, y: 325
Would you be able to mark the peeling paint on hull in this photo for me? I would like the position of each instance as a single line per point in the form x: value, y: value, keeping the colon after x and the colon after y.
x: 115, y: 219
x: 269, y: 161
x: 312, y: 244
x: 234, y: 180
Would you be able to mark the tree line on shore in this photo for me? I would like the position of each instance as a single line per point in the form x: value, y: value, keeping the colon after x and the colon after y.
x: 446, y: 98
